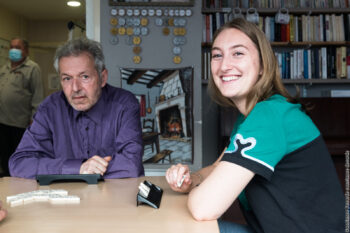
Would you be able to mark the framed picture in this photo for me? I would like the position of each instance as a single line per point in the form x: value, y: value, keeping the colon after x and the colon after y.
x: 166, y: 105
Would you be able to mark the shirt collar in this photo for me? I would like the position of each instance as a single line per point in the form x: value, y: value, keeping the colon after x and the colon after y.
x: 24, y: 63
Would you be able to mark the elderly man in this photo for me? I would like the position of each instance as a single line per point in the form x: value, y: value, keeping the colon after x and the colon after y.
x: 21, y: 91
x: 88, y: 128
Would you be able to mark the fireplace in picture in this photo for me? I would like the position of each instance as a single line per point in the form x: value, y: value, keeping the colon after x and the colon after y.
x: 170, y: 123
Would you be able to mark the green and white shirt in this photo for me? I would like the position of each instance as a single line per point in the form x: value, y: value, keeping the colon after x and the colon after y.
x: 294, y: 171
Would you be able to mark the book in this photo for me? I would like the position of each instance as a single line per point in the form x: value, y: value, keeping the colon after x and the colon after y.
x: 324, y: 62
x: 306, y: 65
x: 333, y: 28
x: 348, y: 66
x: 347, y: 27
x: 207, y: 28
x: 343, y: 72
x: 291, y: 29
x: 204, y: 29
x: 267, y: 28
x: 331, y: 62
x: 287, y: 72
x: 272, y: 29
x: 292, y: 67
x: 327, y: 28
x: 316, y: 63
x: 321, y: 28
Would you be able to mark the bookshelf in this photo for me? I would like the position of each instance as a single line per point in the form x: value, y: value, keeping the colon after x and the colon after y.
x: 322, y: 50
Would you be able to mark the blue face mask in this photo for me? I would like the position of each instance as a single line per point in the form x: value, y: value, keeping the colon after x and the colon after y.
x: 15, y: 55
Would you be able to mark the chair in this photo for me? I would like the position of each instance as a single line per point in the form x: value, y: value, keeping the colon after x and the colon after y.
x: 148, y: 125
x: 148, y: 133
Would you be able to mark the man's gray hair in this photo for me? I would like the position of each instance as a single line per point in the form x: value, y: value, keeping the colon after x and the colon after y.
x: 78, y: 46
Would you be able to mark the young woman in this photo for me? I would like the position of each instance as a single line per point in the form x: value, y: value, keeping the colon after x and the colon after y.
x: 277, y: 163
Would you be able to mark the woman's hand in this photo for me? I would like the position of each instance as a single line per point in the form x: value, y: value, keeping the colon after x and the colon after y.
x: 177, y: 173
x: 3, y: 212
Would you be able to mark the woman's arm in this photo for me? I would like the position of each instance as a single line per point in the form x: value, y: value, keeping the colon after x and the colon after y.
x: 176, y: 172
x: 212, y: 189
x: 218, y: 191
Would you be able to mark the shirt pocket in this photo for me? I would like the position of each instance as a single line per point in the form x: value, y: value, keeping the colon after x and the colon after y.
x: 20, y: 81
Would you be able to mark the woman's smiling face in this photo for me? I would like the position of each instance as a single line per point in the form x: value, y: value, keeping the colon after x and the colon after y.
x: 235, y: 64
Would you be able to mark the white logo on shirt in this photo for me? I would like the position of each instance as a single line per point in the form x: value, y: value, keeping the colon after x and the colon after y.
x: 243, y: 145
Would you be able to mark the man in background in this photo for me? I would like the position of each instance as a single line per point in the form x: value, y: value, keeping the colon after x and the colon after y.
x: 21, y: 91
x: 89, y: 127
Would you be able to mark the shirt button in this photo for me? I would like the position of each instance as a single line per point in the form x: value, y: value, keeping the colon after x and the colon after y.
x: 87, y: 128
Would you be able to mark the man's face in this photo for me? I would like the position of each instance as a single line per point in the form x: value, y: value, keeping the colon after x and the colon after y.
x: 18, y: 44
x: 80, y: 81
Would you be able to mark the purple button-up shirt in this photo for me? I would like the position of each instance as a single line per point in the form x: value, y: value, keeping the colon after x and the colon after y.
x: 61, y: 138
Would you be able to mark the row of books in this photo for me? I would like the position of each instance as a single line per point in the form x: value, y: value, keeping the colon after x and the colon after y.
x: 323, y: 27
x: 327, y: 28
x: 315, y: 63
x: 206, y: 58
x: 276, y: 3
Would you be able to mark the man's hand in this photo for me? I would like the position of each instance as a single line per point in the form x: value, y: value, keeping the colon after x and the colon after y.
x: 95, y: 165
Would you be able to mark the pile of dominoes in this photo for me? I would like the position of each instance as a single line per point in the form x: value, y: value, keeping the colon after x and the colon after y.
x: 54, y: 196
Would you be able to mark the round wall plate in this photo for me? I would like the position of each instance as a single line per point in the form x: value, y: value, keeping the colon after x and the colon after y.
x: 114, y: 12
x: 177, y: 50
x: 113, y: 21
x: 166, y: 31
x: 159, y: 22
x: 129, y: 31
x: 129, y: 12
x: 137, y: 12
x: 136, y: 59
x: 144, y: 21
x: 144, y: 12
x: 159, y: 12
x: 136, y: 40
x: 121, y: 21
x: 144, y: 31
x: 136, y: 21
x: 179, y: 40
x: 151, y: 12
x: 114, y: 40
x: 129, y: 22
x: 166, y: 12
x: 121, y: 12
x: 121, y: 31
x: 114, y: 31
x: 182, y: 12
x: 177, y: 59
x: 137, y: 31
x: 137, y: 50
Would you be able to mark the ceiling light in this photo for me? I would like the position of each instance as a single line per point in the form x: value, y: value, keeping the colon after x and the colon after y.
x: 73, y: 3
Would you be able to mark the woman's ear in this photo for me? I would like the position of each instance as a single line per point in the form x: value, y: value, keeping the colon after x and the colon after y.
x: 261, y: 71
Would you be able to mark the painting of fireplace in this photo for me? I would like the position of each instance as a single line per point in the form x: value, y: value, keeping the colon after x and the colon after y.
x: 168, y: 95
x: 170, y: 122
